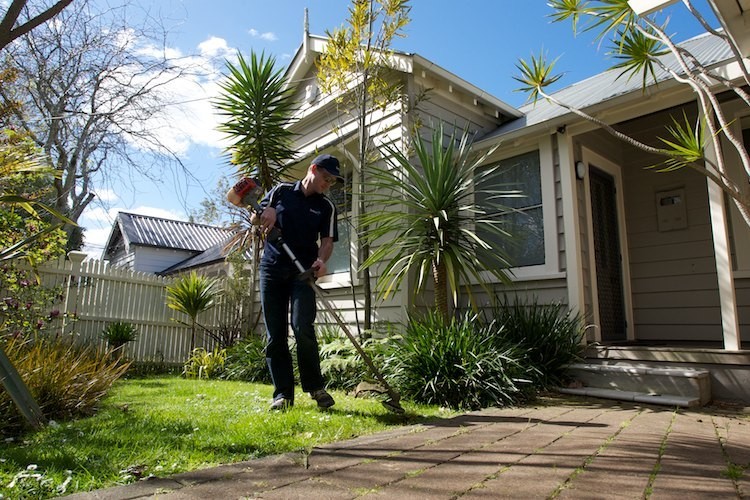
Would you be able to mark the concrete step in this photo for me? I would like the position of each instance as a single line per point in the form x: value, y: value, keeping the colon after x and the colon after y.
x: 688, y: 387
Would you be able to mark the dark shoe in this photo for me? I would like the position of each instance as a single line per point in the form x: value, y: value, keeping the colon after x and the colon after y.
x: 281, y: 404
x: 323, y: 399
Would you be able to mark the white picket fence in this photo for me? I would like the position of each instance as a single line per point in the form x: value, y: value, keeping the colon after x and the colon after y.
x: 96, y: 294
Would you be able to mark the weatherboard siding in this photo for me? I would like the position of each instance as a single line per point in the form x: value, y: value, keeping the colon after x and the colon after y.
x: 155, y: 260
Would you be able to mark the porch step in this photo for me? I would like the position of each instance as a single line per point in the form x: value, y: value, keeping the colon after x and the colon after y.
x: 687, y: 387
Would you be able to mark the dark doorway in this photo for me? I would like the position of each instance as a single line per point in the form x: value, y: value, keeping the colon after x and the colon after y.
x: 606, y: 240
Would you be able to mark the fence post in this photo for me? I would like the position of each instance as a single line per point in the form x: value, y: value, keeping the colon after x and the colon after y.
x: 76, y: 260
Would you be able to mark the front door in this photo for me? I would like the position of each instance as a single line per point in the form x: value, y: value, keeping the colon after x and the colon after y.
x: 606, y: 239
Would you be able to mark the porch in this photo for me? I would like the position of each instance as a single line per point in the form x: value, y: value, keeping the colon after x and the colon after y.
x: 663, y: 260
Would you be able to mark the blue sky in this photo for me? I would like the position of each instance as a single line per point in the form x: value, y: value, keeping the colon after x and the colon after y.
x: 478, y: 40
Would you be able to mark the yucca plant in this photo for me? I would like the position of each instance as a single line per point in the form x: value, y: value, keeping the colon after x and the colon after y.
x: 431, y: 221
x: 455, y: 363
x: 192, y: 294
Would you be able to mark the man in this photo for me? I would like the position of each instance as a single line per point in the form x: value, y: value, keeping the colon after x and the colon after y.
x: 305, y: 215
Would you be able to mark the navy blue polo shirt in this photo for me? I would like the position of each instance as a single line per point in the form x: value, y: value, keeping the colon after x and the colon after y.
x: 303, y: 220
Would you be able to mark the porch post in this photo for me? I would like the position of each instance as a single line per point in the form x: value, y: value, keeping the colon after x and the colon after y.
x: 573, y: 258
x: 727, y: 295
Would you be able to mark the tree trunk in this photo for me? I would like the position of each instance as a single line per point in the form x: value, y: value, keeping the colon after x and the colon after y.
x: 439, y: 276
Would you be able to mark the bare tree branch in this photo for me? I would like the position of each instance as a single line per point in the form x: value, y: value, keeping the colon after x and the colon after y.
x: 8, y: 33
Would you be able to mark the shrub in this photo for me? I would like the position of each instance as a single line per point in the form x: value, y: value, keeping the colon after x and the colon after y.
x: 341, y: 364
x: 455, y: 363
x: 119, y: 333
x: 246, y: 360
x: 27, y: 308
x: 66, y: 380
x: 548, y: 334
x: 205, y: 364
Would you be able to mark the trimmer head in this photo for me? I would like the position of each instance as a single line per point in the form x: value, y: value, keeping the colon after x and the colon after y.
x: 393, y: 406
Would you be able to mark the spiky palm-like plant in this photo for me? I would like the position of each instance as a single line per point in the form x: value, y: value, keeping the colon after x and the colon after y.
x: 257, y: 105
x: 192, y: 294
x: 430, y: 219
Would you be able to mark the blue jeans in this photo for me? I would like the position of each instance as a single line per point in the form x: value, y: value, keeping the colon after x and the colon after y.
x: 280, y: 288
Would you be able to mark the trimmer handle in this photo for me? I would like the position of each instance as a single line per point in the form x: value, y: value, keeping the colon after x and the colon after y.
x: 245, y: 194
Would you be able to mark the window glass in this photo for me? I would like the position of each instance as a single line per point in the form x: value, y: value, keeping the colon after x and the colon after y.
x: 521, y: 215
x: 341, y: 194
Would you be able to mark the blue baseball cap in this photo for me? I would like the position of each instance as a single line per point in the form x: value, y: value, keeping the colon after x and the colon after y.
x: 329, y: 163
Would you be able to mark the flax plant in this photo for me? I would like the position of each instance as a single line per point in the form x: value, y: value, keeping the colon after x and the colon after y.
x: 431, y: 222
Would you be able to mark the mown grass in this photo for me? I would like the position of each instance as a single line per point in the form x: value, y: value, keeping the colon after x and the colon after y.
x: 166, y: 425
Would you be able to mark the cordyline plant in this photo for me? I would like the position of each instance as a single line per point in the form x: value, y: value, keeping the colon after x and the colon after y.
x: 192, y: 294
x: 639, y: 45
x: 257, y: 104
x: 430, y: 221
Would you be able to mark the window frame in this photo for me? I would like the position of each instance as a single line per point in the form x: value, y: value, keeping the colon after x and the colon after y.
x: 547, y: 177
x: 343, y: 278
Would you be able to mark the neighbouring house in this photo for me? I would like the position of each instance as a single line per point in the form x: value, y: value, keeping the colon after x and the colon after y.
x: 165, y: 247
x: 658, y: 263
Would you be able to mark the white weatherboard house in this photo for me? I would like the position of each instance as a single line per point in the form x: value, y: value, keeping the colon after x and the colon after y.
x: 163, y: 246
x: 659, y: 263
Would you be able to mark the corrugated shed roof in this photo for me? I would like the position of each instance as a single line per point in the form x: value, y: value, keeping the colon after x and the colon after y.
x: 164, y: 233
x: 605, y: 86
x: 213, y: 254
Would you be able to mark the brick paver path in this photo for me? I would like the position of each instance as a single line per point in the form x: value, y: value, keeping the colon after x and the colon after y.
x: 575, y: 449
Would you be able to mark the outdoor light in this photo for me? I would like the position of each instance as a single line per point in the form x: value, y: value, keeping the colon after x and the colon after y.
x: 646, y: 7
x: 580, y: 170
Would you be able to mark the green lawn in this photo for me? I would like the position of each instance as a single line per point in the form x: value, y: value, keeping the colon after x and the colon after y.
x: 162, y: 426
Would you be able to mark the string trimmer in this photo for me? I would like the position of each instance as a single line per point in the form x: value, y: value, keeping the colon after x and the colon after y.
x: 245, y: 194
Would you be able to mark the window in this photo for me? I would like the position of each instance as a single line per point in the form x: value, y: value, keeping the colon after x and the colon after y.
x: 341, y: 194
x: 521, y: 216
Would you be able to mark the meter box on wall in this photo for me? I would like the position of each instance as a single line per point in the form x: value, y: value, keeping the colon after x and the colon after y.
x: 671, y: 210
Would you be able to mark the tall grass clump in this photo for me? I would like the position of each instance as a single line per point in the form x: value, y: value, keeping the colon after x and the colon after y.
x: 549, y: 334
x: 204, y: 364
x: 456, y: 363
x: 65, y: 379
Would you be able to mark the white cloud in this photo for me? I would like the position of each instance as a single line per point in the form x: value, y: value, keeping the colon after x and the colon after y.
x: 268, y: 35
x: 188, y: 117
x: 106, y: 195
x: 214, y: 47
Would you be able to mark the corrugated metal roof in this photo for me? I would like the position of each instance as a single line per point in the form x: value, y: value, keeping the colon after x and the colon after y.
x: 164, y: 233
x: 605, y: 86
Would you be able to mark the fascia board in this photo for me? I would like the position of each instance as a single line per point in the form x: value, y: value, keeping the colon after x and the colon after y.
x: 466, y: 86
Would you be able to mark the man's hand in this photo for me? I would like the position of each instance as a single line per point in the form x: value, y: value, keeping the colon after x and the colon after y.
x: 319, y: 268
x: 267, y: 219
